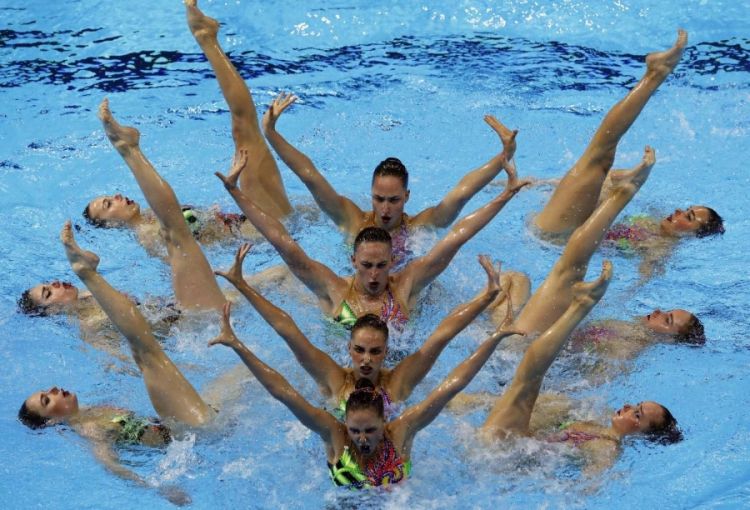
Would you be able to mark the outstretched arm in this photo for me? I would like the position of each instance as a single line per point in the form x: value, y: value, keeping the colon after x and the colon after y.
x: 316, y: 276
x: 415, y: 367
x: 419, y: 416
x: 513, y: 410
x: 326, y: 372
x: 588, y: 237
x: 171, y: 394
x: 105, y: 454
x: 310, y: 416
x: 420, y: 272
x: 448, y: 209
x: 344, y: 213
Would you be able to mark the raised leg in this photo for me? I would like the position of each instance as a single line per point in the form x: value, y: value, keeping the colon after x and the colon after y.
x: 512, y: 412
x: 193, y: 280
x: 171, y: 394
x: 577, y: 195
x: 262, y: 180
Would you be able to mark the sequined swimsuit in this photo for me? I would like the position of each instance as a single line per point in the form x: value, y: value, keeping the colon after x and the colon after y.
x: 631, y: 233
x: 391, y: 312
x: 387, y: 468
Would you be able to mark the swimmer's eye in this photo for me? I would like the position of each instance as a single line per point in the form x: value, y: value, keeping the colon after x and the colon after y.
x: 375, y: 351
x: 381, y: 265
x: 367, y: 265
x: 370, y: 430
x: 359, y: 349
x: 45, y: 400
x: 378, y: 198
x: 394, y: 200
x: 691, y: 215
x: 46, y: 292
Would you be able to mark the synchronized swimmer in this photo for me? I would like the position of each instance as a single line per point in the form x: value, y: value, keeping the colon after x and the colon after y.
x: 367, y: 435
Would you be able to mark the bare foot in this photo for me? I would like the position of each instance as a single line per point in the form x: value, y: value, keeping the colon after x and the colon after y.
x: 589, y: 293
x: 632, y: 180
x: 493, y: 275
x: 123, y: 138
x: 203, y: 27
x: 80, y: 260
x: 507, y: 136
x: 664, y: 62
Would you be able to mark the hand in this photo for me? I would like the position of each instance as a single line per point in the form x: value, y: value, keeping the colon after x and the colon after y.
x: 226, y: 335
x: 277, y: 107
x: 493, y: 275
x: 238, y: 165
x: 234, y: 274
x: 174, y: 495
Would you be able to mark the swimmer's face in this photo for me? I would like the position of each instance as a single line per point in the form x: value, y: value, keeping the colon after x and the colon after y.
x: 114, y: 209
x: 365, y: 429
x: 388, y: 199
x: 367, y: 349
x: 670, y: 322
x: 685, y: 223
x: 53, y: 403
x: 54, y: 294
x: 372, y: 263
x: 638, y: 419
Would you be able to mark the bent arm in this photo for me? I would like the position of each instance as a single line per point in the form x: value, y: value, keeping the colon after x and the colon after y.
x: 340, y: 209
x: 419, y: 416
x: 415, y: 367
x: 422, y: 271
x: 316, y: 276
x: 449, y: 208
x: 326, y: 372
x: 310, y: 416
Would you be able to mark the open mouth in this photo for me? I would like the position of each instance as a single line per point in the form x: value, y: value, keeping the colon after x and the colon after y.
x: 365, y: 370
x: 364, y: 448
x: 373, y: 285
x: 385, y: 219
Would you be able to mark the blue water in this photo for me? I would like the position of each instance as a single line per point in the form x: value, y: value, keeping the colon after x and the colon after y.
x: 375, y: 79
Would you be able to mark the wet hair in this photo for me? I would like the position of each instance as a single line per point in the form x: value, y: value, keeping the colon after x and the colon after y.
x: 29, y: 306
x: 372, y: 235
x: 365, y: 396
x: 391, y: 167
x: 695, y: 333
x: 31, y: 419
x: 714, y: 225
x: 94, y: 221
x: 371, y: 320
x: 667, y: 432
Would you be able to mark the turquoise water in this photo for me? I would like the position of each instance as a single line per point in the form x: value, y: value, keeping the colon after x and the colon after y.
x: 375, y: 79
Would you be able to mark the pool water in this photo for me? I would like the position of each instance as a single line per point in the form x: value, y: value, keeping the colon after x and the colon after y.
x: 375, y: 79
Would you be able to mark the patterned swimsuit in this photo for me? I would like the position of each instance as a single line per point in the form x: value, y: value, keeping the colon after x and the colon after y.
x: 387, y: 468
